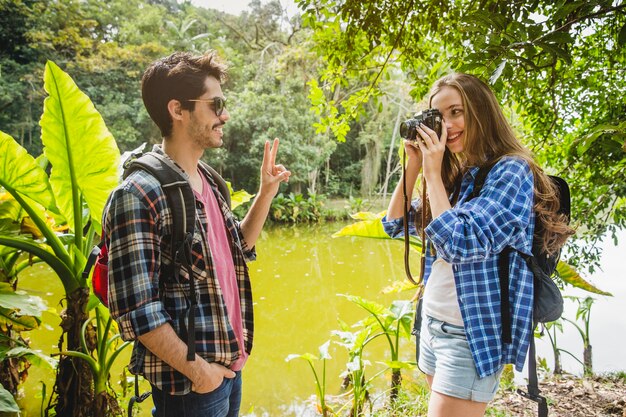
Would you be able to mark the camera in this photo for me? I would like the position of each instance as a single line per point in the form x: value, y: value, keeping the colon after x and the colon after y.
x: 430, y: 117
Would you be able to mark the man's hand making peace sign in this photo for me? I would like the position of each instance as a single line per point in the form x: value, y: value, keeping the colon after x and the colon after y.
x: 271, y: 174
x: 271, y: 177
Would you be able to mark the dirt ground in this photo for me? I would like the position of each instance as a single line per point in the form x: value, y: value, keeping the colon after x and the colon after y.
x: 571, y: 397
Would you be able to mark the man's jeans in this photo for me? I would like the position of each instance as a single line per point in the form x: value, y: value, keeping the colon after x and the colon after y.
x: 223, y: 402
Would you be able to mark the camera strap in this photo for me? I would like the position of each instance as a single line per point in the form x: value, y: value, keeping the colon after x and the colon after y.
x: 424, y: 219
x: 407, y: 247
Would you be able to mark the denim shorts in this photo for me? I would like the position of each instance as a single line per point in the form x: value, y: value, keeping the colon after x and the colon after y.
x: 445, y: 355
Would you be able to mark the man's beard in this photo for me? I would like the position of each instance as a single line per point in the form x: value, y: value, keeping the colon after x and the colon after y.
x: 203, y: 137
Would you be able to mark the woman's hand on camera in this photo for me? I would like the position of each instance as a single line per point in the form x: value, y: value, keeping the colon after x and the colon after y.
x: 413, y: 155
x: 432, y: 149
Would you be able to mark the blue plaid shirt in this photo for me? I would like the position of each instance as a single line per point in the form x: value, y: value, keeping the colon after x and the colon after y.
x: 470, y: 236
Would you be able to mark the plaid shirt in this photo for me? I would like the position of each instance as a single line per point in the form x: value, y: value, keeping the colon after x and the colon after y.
x: 137, y: 226
x: 470, y: 236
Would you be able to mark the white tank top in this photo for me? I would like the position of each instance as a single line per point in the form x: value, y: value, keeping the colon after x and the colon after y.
x: 440, y: 298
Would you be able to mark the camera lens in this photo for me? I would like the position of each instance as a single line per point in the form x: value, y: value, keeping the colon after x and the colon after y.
x: 404, y: 130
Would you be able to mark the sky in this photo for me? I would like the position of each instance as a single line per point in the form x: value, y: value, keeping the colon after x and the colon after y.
x: 237, y: 6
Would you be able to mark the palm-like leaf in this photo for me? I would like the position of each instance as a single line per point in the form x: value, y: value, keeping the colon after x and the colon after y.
x: 82, y: 151
x: 20, y: 173
x: 568, y: 274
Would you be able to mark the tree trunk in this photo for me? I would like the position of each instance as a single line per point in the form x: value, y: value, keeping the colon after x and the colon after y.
x: 371, y: 167
x: 313, y: 177
x: 558, y: 369
x: 587, y: 360
x: 74, y: 384
x: 389, y: 172
x: 396, y: 382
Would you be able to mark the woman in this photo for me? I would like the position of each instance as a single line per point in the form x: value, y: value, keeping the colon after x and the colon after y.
x: 461, y: 350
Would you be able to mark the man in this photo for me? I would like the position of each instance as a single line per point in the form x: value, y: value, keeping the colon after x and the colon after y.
x: 183, y: 96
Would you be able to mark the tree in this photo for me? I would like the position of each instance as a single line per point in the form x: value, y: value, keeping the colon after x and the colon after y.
x: 557, y: 65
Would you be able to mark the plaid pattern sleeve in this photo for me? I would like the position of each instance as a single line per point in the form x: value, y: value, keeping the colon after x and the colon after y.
x: 395, y: 228
x: 134, y: 265
x: 470, y: 236
x: 138, y: 226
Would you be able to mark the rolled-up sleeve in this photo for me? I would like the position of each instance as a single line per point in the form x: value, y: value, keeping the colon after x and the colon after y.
x: 502, y: 215
x: 134, y: 262
x: 249, y: 254
x: 395, y: 228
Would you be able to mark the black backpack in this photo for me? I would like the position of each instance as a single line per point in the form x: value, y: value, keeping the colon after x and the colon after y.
x: 181, y: 200
x: 548, y: 301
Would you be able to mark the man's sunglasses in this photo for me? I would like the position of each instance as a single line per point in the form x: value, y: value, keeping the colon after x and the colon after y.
x: 219, y: 104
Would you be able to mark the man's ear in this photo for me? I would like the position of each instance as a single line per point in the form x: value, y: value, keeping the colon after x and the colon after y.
x: 175, y: 109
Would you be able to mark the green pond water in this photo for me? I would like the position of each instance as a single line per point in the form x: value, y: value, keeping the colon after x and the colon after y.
x: 296, y: 281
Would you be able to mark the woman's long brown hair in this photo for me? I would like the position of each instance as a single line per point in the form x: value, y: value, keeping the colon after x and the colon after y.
x: 489, y: 137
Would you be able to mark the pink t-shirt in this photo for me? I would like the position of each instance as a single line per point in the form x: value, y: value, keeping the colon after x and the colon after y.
x: 222, y: 257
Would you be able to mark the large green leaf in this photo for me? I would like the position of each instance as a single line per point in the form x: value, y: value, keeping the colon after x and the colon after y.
x: 371, y: 226
x: 7, y: 402
x: 366, y: 228
x: 20, y: 301
x: 568, y: 274
x: 238, y: 198
x: 18, y: 323
x: 34, y: 357
x: 18, y: 309
x: 82, y: 151
x: 19, y: 172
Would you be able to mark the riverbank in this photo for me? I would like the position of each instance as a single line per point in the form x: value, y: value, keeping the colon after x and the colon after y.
x: 569, y: 396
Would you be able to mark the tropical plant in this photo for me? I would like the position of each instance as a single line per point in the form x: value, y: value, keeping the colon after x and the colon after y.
x: 296, y: 208
x: 19, y: 312
x: 82, y: 160
x: 106, y: 347
x: 551, y: 330
x: 394, y: 323
x: 320, y: 380
x: 354, y: 376
x: 583, y: 313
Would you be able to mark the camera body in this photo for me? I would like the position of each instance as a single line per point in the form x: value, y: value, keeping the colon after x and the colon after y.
x: 430, y: 117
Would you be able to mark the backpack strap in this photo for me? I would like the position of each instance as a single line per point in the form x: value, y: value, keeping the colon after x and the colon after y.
x: 182, y: 204
x: 533, y: 393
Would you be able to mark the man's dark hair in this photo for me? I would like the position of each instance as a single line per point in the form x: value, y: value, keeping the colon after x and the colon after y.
x: 179, y: 76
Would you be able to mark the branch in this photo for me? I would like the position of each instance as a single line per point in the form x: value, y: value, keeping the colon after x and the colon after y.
x: 239, y: 34
x: 395, y: 44
x: 589, y: 16
x: 602, y: 12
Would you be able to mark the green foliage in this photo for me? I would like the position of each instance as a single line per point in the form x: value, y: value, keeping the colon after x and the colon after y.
x: 320, y: 380
x: 572, y: 111
x: 102, y: 355
x: 583, y: 313
x: 296, y: 208
x: 393, y: 323
x: 7, y: 402
x: 84, y: 159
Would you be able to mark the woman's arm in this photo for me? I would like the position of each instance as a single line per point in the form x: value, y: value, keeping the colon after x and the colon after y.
x: 413, y: 167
